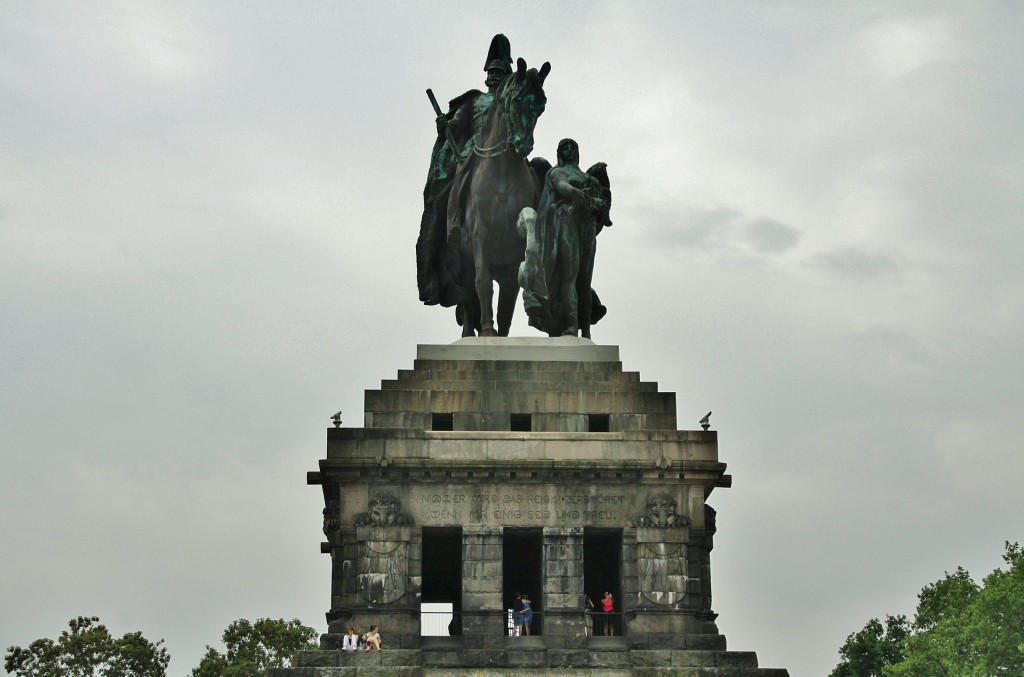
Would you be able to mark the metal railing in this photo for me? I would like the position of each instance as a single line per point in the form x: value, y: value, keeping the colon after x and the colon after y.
x: 600, y: 623
x: 523, y: 624
x: 513, y: 623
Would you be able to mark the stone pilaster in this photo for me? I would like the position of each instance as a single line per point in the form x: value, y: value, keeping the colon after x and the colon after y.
x: 563, y: 613
x: 482, y: 612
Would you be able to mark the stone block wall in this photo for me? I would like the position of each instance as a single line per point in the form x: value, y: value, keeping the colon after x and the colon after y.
x: 550, y: 435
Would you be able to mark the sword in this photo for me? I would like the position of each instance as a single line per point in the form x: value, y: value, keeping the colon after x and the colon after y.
x: 447, y: 129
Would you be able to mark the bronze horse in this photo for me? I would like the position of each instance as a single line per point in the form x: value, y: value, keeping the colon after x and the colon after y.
x: 496, y: 183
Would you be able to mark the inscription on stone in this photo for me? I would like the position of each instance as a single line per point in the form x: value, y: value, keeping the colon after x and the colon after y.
x: 528, y: 508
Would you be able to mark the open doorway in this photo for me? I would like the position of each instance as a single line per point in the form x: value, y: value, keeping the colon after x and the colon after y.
x: 441, y: 591
x: 522, y: 562
x: 602, y: 573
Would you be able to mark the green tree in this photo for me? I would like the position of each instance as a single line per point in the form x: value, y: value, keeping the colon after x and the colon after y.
x: 941, y: 642
x: 966, y: 630
x: 867, y: 652
x: 89, y: 650
x: 1000, y: 604
x: 960, y: 629
x: 251, y: 648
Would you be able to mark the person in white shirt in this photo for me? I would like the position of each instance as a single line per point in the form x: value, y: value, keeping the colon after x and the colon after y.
x: 350, y: 642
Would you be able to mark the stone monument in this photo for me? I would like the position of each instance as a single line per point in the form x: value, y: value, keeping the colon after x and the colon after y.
x: 498, y: 468
x: 519, y: 506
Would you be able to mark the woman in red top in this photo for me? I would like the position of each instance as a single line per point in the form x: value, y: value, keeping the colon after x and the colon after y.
x: 608, y: 606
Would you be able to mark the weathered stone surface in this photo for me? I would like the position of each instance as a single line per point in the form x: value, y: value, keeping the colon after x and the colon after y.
x: 609, y: 659
x: 315, y: 658
x: 290, y: 672
x: 387, y: 484
x: 737, y: 659
x: 651, y: 658
x: 714, y: 642
x: 399, y: 657
x: 693, y: 658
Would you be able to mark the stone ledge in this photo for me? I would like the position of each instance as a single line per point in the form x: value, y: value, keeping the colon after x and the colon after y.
x: 707, y: 672
x: 523, y: 660
x: 561, y: 349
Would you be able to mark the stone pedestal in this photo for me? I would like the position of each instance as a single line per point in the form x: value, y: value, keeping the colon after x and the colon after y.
x: 511, y: 463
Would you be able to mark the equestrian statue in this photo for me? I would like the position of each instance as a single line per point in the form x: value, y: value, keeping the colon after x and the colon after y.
x: 480, y: 185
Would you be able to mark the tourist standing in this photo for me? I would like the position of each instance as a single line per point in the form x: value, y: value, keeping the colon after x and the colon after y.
x: 608, y: 607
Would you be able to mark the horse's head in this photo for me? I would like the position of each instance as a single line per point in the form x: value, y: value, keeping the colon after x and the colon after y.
x: 522, y: 98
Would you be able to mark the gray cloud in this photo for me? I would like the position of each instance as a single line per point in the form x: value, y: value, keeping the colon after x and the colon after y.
x: 858, y: 264
x: 206, y: 248
x: 720, y: 228
x: 770, y: 236
x: 688, y: 229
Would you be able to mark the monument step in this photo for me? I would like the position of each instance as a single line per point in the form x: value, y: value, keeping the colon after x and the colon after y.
x: 509, y: 370
x: 350, y: 671
x: 640, y: 422
x: 601, y: 655
x: 521, y: 385
x: 686, y: 658
x: 707, y: 672
x: 517, y: 363
x: 459, y: 672
x: 358, y: 659
x: 568, y: 401
x: 522, y: 671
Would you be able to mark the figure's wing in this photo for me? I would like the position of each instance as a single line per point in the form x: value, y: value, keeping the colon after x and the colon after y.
x: 540, y: 167
x: 599, y: 171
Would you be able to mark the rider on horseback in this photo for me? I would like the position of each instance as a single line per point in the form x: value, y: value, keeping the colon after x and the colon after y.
x: 461, y: 125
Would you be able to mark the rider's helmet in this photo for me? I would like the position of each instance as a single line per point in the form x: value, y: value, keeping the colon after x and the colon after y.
x: 499, y: 55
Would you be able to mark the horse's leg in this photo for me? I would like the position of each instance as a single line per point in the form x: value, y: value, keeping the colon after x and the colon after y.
x: 484, y: 285
x: 508, y: 294
x: 464, y: 312
x: 466, y: 309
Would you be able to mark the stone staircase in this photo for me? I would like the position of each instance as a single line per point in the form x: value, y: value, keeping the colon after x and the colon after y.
x: 386, y: 663
x: 528, y: 659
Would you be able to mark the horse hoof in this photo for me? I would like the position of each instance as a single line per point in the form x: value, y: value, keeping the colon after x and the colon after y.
x: 488, y: 332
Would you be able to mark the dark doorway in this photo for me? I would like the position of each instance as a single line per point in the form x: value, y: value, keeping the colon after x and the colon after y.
x: 442, y: 581
x: 602, y: 572
x: 522, y: 562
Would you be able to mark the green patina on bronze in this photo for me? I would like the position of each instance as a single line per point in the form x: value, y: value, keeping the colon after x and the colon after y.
x: 480, y: 188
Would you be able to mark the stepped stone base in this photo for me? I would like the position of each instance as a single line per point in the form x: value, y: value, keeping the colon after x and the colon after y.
x: 606, y: 659
x: 498, y: 465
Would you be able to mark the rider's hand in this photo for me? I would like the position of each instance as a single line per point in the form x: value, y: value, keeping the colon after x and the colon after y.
x: 442, y: 122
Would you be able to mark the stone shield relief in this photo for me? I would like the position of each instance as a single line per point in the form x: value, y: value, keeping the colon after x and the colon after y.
x: 383, y: 570
x: 662, y: 571
x: 661, y: 551
x: 383, y: 555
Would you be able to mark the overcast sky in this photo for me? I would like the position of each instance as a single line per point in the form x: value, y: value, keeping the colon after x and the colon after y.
x: 207, y: 220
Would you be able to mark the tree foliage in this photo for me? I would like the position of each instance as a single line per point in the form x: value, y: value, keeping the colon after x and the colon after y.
x: 251, y: 648
x: 868, y: 651
x: 960, y: 629
x: 89, y: 650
